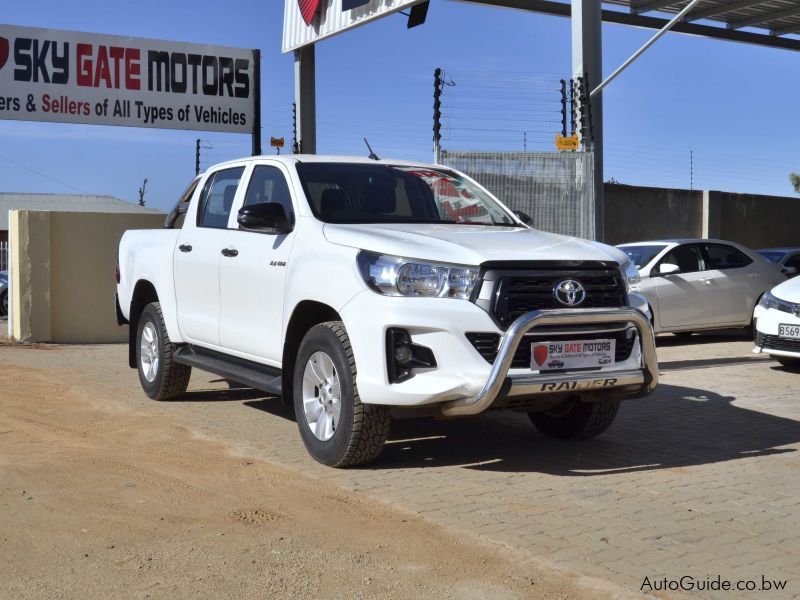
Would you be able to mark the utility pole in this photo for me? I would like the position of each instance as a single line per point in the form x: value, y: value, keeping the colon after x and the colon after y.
x: 197, y: 157
x: 295, y: 144
x: 437, y: 115
x: 691, y: 169
x: 141, y: 192
x: 525, y: 141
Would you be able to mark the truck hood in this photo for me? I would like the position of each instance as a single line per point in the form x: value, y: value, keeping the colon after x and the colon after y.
x: 467, y: 244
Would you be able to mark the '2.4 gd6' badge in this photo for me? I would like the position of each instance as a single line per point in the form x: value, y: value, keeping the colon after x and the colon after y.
x: 569, y: 292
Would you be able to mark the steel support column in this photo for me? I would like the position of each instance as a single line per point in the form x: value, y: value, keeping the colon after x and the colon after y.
x: 587, y: 61
x: 305, y: 93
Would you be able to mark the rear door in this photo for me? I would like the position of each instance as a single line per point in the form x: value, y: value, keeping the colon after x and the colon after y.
x: 737, y: 283
x: 197, y: 258
x: 686, y: 298
x: 253, y: 282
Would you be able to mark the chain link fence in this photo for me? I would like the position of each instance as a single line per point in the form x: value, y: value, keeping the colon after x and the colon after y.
x: 555, y: 188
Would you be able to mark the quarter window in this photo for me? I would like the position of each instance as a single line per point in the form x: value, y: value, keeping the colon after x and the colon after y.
x: 722, y: 257
x: 217, y: 198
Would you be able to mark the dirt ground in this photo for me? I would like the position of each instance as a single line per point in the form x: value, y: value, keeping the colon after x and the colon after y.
x: 100, y: 502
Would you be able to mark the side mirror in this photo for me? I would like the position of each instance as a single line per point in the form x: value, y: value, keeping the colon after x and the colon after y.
x: 264, y: 217
x: 668, y: 269
x: 524, y: 217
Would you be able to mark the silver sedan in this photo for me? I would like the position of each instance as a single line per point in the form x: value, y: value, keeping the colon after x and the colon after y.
x: 700, y: 284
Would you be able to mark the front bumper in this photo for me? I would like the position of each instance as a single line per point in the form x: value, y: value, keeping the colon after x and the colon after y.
x: 767, y: 322
x: 636, y: 381
x: 462, y: 372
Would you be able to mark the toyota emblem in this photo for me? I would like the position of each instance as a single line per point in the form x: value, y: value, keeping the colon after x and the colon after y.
x: 569, y: 292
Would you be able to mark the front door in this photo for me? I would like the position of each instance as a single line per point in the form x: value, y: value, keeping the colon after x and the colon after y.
x: 253, y: 282
x: 685, y: 298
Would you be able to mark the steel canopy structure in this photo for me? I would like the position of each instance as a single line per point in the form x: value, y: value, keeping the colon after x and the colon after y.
x: 770, y: 23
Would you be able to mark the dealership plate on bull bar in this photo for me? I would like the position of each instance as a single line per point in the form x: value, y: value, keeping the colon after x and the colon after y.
x: 573, y: 354
x: 791, y: 332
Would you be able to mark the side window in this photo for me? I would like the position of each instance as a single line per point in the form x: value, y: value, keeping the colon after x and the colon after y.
x: 794, y: 261
x: 217, y: 198
x: 268, y: 184
x: 687, y: 257
x: 176, y: 216
x: 721, y: 257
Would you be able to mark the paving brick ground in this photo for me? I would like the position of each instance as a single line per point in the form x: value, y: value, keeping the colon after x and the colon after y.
x: 699, y: 480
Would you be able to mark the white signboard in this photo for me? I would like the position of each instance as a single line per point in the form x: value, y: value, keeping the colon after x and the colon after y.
x: 308, y: 21
x: 72, y: 77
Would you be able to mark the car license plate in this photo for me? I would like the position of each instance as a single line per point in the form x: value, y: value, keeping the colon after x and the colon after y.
x: 789, y: 331
x: 578, y: 354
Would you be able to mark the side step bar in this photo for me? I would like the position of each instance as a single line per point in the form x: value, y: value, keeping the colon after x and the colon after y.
x: 258, y: 376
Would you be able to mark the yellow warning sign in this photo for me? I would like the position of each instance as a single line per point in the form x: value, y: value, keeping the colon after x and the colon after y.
x: 567, y: 143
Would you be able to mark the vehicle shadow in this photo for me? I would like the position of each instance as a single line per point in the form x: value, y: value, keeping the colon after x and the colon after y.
x: 675, y: 427
x: 721, y: 336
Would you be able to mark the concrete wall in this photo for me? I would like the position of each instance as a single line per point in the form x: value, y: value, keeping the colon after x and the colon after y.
x: 634, y: 213
x: 63, y: 274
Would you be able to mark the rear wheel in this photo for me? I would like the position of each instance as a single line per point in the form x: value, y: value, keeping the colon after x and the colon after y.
x: 576, y: 420
x: 336, y: 427
x: 790, y: 364
x: 161, y: 377
x: 3, y: 303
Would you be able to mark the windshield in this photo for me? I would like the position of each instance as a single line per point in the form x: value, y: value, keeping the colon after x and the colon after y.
x: 772, y: 255
x: 366, y: 193
x: 641, y: 255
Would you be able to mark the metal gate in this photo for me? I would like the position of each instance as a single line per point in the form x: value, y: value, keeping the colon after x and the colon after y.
x: 555, y: 188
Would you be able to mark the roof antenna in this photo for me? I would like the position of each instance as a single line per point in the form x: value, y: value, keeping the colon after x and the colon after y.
x: 372, y: 155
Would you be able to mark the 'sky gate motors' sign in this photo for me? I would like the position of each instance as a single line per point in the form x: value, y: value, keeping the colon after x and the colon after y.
x: 72, y: 77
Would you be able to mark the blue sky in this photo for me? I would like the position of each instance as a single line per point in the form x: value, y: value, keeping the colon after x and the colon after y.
x: 733, y: 105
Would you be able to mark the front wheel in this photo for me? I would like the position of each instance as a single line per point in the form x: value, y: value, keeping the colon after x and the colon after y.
x: 576, y: 420
x: 337, y: 429
x: 3, y: 303
x: 161, y: 377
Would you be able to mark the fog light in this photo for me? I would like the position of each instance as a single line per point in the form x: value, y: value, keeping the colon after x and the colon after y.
x: 403, y: 354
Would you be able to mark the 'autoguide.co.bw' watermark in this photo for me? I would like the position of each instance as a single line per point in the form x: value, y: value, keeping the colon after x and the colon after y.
x: 687, y: 583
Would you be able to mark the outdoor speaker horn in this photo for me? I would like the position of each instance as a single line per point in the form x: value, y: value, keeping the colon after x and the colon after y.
x: 418, y: 14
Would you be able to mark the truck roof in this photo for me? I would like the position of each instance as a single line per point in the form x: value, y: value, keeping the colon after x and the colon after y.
x: 321, y: 158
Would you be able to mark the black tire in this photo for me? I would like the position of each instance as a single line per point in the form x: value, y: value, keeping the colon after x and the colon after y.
x: 790, y: 364
x: 576, y: 420
x: 362, y: 430
x: 171, y: 379
x: 4, y: 303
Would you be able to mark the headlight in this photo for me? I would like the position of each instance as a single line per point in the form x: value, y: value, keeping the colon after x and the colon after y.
x: 395, y: 276
x: 768, y: 301
x: 631, y: 276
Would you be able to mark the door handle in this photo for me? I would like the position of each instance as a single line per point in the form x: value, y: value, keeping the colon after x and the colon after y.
x: 185, y: 248
x: 230, y: 252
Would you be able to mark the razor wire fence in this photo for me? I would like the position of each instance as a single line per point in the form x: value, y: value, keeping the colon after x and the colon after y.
x: 554, y: 188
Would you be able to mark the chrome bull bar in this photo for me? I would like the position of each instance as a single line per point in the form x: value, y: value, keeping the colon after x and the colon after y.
x: 645, y: 378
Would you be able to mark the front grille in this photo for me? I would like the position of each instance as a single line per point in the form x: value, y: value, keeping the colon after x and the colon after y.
x: 487, y: 344
x: 773, y: 342
x: 517, y: 294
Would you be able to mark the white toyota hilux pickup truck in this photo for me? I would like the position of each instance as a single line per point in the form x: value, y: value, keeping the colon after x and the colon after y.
x: 358, y: 290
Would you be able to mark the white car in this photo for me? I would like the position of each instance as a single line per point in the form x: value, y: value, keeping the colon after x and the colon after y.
x: 356, y: 288
x: 777, y: 324
x: 699, y: 284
